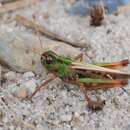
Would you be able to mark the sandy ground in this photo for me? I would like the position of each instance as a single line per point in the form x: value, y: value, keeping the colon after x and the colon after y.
x: 62, y: 106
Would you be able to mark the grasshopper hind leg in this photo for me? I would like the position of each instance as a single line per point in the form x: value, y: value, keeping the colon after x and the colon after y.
x: 46, y: 82
x: 95, y: 105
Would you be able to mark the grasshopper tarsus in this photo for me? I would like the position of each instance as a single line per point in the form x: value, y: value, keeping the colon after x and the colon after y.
x: 95, y: 105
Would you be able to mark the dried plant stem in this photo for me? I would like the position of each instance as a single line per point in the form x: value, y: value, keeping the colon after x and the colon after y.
x: 7, y: 1
x: 33, y: 25
x: 16, y: 5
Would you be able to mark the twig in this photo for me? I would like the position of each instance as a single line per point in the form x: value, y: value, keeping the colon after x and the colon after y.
x: 6, y: 1
x: 16, y: 5
x: 33, y: 25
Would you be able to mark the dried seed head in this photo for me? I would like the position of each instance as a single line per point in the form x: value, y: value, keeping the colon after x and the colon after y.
x: 97, y: 13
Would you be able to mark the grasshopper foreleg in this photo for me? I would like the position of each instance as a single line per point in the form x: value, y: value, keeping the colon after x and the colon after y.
x: 42, y: 85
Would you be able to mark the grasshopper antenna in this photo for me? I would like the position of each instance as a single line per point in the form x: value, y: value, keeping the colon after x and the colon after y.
x: 37, y: 31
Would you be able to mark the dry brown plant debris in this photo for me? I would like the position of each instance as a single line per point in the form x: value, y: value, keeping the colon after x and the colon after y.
x: 11, y: 6
x: 97, y: 13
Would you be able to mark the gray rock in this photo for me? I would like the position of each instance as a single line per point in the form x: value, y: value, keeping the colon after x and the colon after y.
x: 28, y: 75
x: 21, y: 51
x: 18, y: 128
x: 66, y: 117
x: 10, y: 75
x: 30, y: 85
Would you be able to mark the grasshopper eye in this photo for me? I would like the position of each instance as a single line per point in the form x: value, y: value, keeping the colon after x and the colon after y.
x: 49, y: 60
x: 43, y: 59
x: 46, y: 59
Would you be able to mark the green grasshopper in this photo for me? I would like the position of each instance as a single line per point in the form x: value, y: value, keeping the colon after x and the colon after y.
x: 87, y: 76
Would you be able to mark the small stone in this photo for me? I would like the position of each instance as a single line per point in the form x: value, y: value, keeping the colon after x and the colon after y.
x: 13, y: 88
x: 30, y: 86
x: 66, y: 118
x: 67, y: 127
x: 116, y: 102
x: 64, y: 94
x: 11, y: 128
x: 22, y: 93
x: 28, y: 75
x: 18, y: 128
x: 39, y: 127
x: 10, y: 75
x: 76, y: 117
x: 5, y: 119
x: 76, y: 114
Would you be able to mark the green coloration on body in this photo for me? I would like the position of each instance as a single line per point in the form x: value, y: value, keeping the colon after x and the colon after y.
x: 60, y: 65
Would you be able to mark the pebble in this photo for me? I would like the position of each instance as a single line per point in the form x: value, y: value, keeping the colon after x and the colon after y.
x: 22, y: 93
x: 10, y: 75
x: 39, y: 127
x: 11, y: 128
x: 5, y: 119
x: 76, y: 114
x: 28, y: 75
x: 30, y: 85
x: 18, y: 128
x: 67, y: 127
x: 64, y: 94
x: 66, y: 118
x: 76, y: 118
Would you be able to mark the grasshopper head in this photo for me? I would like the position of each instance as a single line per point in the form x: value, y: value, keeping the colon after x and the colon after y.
x: 48, y: 58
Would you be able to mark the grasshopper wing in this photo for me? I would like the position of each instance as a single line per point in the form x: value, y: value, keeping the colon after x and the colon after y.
x: 99, y: 70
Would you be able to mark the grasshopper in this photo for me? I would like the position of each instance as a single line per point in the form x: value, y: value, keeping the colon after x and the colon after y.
x: 87, y: 76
